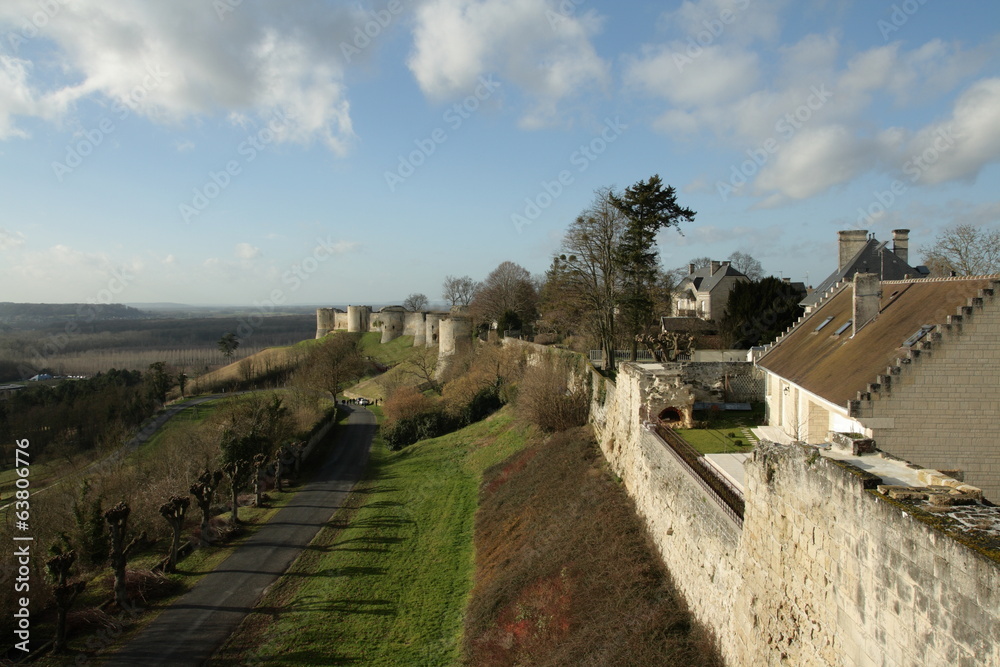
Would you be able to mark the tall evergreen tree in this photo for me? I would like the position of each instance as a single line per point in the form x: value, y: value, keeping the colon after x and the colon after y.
x: 649, y: 206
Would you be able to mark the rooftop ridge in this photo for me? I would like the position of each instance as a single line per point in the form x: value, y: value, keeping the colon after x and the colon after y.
x: 942, y: 279
x: 951, y: 327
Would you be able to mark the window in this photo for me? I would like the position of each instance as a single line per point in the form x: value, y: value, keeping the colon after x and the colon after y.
x: 823, y: 324
x: 843, y: 327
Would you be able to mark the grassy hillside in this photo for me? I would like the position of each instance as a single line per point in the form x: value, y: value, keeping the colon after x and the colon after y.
x: 386, y: 582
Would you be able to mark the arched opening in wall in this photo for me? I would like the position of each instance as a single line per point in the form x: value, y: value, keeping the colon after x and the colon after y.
x: 669, y: 415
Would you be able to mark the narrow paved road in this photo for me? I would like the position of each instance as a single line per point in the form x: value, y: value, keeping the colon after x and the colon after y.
x: 189, y: 631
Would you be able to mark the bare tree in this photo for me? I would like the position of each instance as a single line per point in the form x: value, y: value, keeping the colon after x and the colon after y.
x: 459, y: 291
x: 965, y: 250
x: 747, y: 265
x: 422, y: 364
x: 117, y: 518
x: 204, y: 491
x: 173, y: 511
x: 59, y: 567
x: 333, y: 363
x: 508, y: 289
x: 589, y: 270
x: 416, y: 302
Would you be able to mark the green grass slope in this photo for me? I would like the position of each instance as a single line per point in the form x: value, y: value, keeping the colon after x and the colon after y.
x: 386, y: 582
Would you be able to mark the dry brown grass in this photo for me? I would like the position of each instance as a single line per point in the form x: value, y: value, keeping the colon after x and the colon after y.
x: 566, y: 573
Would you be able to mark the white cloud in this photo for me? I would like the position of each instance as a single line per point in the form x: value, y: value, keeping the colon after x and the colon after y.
x: 10, y: 240
x: 529, y: 43
x: 247, y: 251
x: 172, y: 61
x: 818, y: 118
x: 959, y: 147
x: 184, y: 146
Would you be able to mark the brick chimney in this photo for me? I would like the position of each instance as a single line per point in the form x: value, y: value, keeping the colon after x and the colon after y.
x: 851, y: 241
x: 690, y: 269
x: 901, y: 244
x: 714, y: 267
x: 867, y: 298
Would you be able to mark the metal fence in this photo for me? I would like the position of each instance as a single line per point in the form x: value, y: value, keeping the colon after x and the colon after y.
x: 720, y: 489
x: 622, y: 355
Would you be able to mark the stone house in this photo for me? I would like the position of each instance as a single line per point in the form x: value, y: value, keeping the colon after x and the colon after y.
x: 914, y: 364
x: 859, y: 252
x: 704, y: 292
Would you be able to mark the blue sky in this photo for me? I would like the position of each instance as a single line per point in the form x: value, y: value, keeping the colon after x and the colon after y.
x: 241, y: 152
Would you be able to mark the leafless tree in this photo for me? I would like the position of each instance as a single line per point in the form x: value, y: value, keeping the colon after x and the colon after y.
x: 459, y: 291
x: 416, y: 302
x: 174, y: 511
x: 508, y: 289
x: 747, y: 265
x: 332, y: 364
x: 204, y: 491
x: 117, y: 518
x: 966, y: 250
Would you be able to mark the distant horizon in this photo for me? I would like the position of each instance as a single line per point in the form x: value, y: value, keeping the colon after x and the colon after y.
x: 267, y: 154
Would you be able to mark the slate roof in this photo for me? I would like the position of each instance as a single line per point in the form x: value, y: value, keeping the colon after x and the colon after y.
x: 874, y: 257
x: 837, y: 366
x: 703, y: 280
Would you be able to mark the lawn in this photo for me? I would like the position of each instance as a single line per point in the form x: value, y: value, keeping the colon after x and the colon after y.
x: 715, y: 441
x: 385, y: 583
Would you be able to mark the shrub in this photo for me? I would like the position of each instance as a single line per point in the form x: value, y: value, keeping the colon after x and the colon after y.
x: 406, y: 402
x: 551, y: 397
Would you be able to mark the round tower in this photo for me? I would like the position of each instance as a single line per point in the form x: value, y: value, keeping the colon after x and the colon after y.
x: 325, y: 321
x: 357, y: 319
x: 392, y: 319
x: 455, y: 334
x: 432, y: 324
x: 415, y: 326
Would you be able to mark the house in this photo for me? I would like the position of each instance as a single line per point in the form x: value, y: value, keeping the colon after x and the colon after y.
x: 859, y: 252
x: 704, y: 292
x: 913, y: 364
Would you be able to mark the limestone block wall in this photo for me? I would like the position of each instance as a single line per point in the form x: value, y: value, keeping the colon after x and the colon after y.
x: 358, y: 319
x: 325, y: 321
x: 951, y: 386
x: 833, y: 574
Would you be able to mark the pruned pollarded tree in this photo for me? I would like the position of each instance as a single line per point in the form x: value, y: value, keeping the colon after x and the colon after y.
x: 585, y: 280
x: 65, y: 592
x: 332, y: 364
x: 459, y: 291
x: 174, y: 511
x: 964, y: 250
x: 415, y: 302
x: 117, y: 518
x: 204, y: 492
x: 649, y: 206
x: 509, y: 287
x: 260, y: 462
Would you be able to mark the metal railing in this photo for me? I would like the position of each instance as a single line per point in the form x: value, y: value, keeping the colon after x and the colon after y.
x: 623, y: 355
x: 720, y: 489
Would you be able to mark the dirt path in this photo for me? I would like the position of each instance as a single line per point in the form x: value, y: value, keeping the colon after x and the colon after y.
x: 190, y: 630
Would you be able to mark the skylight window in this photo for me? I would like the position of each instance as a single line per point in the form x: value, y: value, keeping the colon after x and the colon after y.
x: 924, y: 330
x: 843, y: 327
x: 823, y: 324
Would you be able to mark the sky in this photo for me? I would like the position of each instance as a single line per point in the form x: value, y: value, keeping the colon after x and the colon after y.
x: 241, y: 152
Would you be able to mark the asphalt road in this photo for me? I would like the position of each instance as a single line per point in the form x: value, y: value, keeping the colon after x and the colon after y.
x: 192, y: 629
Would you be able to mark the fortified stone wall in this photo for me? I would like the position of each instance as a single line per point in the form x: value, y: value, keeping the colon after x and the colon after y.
x: 415, y: 325
x: 823, y: 571
x: 390, y: 321
x: 837, y: 574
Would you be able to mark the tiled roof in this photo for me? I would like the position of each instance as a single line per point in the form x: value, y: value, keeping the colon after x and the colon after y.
x: 838, y: 366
